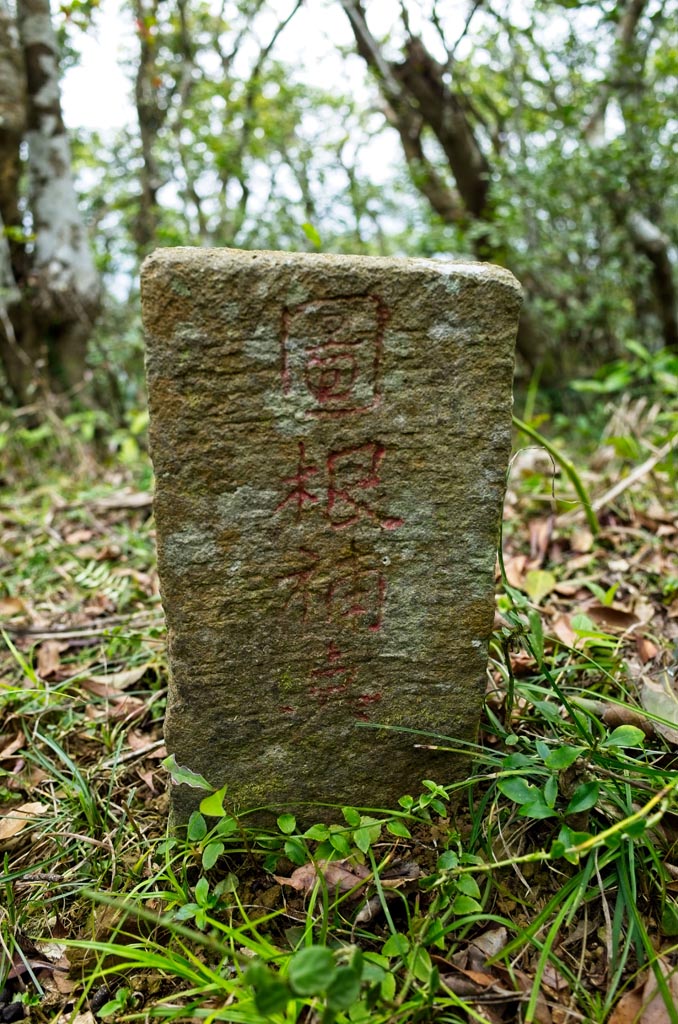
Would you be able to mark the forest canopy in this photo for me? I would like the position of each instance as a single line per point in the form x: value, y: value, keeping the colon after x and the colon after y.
x: 540, y: 136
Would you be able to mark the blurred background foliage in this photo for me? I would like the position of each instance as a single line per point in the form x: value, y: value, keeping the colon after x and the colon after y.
x: 541, y: 136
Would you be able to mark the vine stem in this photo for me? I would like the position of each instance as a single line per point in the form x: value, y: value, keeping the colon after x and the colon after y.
x: 568, y: 467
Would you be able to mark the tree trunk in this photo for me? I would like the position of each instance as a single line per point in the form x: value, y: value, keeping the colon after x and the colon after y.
x: 649, y: 240
x: 417, y: 97
x: 150, y: 119
x: 51, y: 292
x: 15, y: 361
x: 64, y: 285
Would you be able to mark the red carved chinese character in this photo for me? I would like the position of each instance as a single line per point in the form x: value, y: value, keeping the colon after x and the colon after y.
x: 331, y: 353
x: 334, y: 677
x: 357, y: 595
x: 302, y: 580
x: 299, y: 495
x: 330, y: 373
x: 352, y: 472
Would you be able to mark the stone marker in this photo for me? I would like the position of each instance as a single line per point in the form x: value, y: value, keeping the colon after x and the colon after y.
x: 330, y: 437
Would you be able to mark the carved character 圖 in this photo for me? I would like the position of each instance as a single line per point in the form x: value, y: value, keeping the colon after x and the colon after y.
x: 332, y: 353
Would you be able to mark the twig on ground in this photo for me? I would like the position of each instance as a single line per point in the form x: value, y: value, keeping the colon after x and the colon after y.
x: 635, y: 475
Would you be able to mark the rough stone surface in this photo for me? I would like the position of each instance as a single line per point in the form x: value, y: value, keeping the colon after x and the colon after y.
x: 330, y: 437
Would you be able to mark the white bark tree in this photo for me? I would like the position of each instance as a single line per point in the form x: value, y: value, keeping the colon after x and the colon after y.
x: 50, y: 288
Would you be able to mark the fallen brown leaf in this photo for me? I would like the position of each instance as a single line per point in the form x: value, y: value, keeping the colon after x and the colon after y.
x: 17, y: 818
x: 562, y: 629
x: 541, y: 531
x: 369, y: 909
x: 627, y: 1010
x: 646, y: 649
x: 644, y: 610
x: 486, y: 946
x: 612, y: 619
x: 121, y: 680
x: 11, y: 748
x: 654, y: 1009
x: 304, y: 878
x: 579, y: 562
x: 515, y: 567
x: 542, y: 1011
x: 468, y: 983
x: 620, y: 714
x: 581, y: 541
x: 120, y: 705
x: 659, y: 696
x: 79, y: 536
x: 124, y: 499
x: 11, y: 606
x: 147, y: 778
x: 49, y: 657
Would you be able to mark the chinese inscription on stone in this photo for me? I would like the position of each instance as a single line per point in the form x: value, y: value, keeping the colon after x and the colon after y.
x: 330, y: 438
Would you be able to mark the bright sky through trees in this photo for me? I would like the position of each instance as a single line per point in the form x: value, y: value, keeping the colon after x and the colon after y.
x: 96, y: 92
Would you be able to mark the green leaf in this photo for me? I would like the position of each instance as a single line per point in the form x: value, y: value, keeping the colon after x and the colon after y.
x: 517, y: 761
x: 344, y: 990
x: 226, y: 826
x: 465, y: 905
x: 197, y: 827
x: 517, y: 789
x: 625, y: 736
x: 368, y: 833
x: 399, y: 828
x: 228, y: 884
x: 388, y: 987
x: 202, y: 890
x: 296, y: 851
x: 186, y: 912
x: 357, y: 960
x: 396, y: 945
x: 312, y: 234
x: 670, y: 919
x: 340, y: 843
x: 563, y: 757
x: 311, y: 971
x: 551, y: 791
x: 542, y: 749
x: 584, y: 797
x: 213, y: 806
x: 287, y: 823
x: 271, y: 993
x: 537, y: 808
x: 468, y: 885
x: 636, y: 828
x: 557, y: 849
x: 419, y: 964
x: 184, y: 776
x: 351, y: 816
x: 448, y: 861
x: 317, y: 832
x: 539, y: 583
x: 536, y: 634
x: 211, y: 854
x: 375, y: 959
x: 272, y: 998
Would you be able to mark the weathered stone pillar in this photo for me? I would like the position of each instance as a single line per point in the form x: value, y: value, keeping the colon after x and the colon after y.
x: 330, y: 437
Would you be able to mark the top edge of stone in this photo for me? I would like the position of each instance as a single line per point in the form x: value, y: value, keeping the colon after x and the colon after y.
x: 183, y: 256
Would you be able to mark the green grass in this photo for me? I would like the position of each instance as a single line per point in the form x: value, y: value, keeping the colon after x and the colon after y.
x: 544, y: 880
